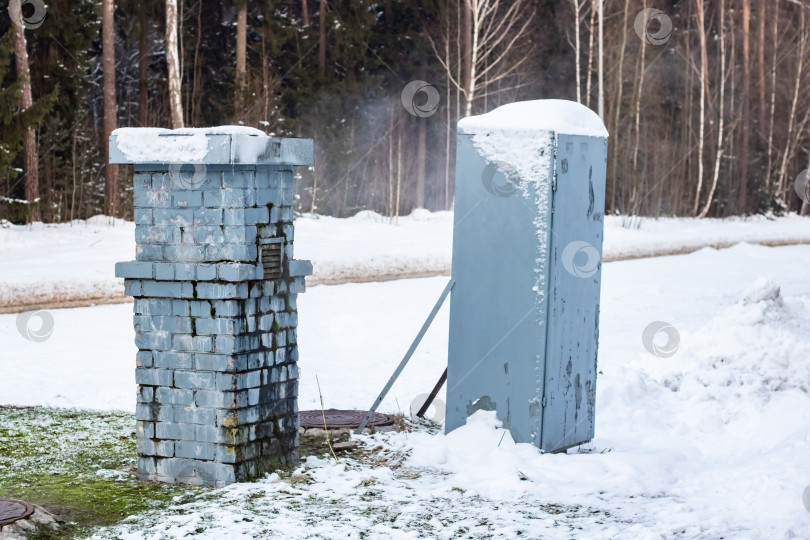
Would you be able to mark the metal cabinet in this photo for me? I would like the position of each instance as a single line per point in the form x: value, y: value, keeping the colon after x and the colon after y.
x: 524, y: 312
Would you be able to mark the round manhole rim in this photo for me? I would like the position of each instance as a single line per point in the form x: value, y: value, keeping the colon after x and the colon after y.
x: 12, y: 510
x: 341, y: 419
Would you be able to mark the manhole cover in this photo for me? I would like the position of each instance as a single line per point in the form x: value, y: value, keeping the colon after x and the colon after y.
x: 336, y: 419
x: 11, y: 511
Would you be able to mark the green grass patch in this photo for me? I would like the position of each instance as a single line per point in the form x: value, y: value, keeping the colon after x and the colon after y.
x: 78, y: 464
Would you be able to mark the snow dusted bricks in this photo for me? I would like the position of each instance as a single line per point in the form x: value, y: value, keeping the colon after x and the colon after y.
x: 215, y: 318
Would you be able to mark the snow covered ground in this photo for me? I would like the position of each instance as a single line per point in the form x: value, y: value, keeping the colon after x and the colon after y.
x: 72, y: 264
x: 711, y: 442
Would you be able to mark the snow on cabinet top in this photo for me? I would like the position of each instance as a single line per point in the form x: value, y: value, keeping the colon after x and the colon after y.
x: 557, y: 115
x: 518, y: 140
x: 213, y: 145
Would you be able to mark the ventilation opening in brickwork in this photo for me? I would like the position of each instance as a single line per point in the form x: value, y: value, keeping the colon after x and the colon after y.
x: 271, y: 257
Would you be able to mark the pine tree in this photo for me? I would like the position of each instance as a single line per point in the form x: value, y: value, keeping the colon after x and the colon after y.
x: 65, y: 61
x: 14, y: 124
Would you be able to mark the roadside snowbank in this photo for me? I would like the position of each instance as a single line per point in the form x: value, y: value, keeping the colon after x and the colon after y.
x: 72, y: 264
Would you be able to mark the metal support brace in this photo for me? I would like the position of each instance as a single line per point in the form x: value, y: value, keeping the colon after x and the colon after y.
x: 407, y: 357
x: 423, y: 409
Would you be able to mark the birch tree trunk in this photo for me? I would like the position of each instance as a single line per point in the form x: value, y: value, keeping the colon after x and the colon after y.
x: 782, y: 189
x: 804, y: 209
x: 638, y: 90
x: 476, y: 28
x: 420, y: 165
x: 448, y: 127
x: 746, y: 17
x: 775, y: 38
x: 600, y: 105
x: 466, y: 50
x: 618, y: 107
x: 30, y: 165
x: 590, y: 53
x: 577, y: 7
x: 315, y: 176
x: 719, y: 157
x: 390, y: 164
x: 703, y: 82
x: 637, y: 99
x: 458, y: 80
x: 173, y: 62
x: 399, y: 174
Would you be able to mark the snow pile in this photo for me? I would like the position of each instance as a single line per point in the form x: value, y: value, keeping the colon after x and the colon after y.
x: 557, y: 115
x: 481, y: 455
x: 757, y: 346
x: 482, y: 459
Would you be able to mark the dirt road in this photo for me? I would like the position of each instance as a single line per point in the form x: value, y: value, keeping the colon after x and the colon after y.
x: 55, y: 297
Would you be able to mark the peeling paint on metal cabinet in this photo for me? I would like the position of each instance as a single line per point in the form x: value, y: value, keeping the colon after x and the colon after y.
x: 573, y: 318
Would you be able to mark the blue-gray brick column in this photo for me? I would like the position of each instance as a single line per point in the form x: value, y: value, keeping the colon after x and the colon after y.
x: 217, y: 369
